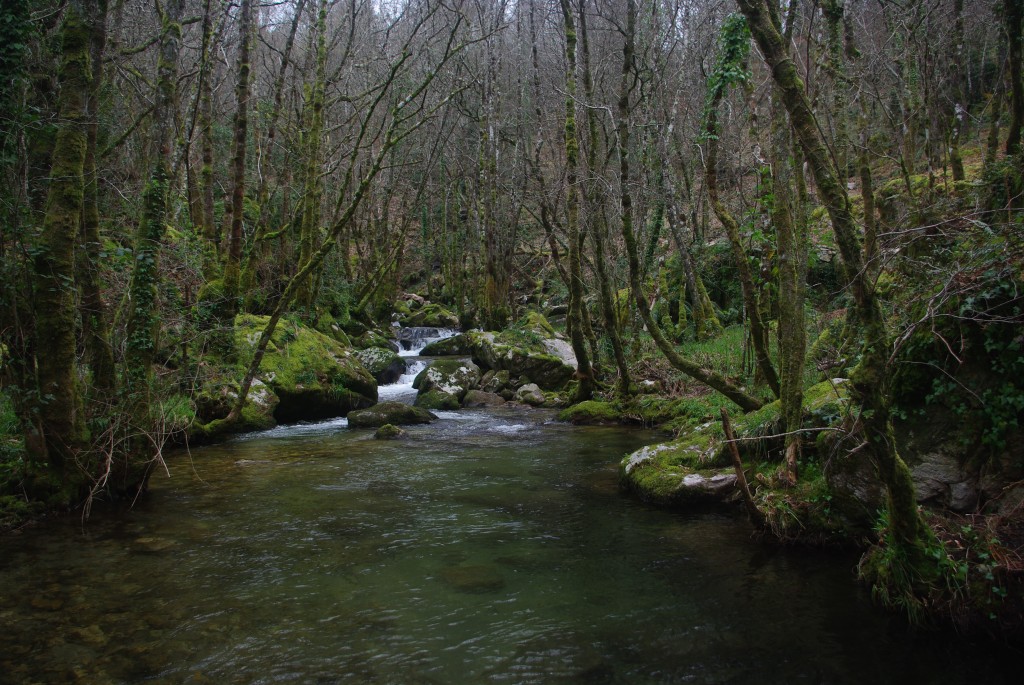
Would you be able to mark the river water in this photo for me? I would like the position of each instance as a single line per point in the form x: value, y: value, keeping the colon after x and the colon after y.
x: 489, y: 547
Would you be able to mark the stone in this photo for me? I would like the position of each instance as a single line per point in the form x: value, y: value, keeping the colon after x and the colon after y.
x: 388, y: 432
x: 457, y: 345
x: 384, y: 364
x: 451, y: 376
x: 530, y: 394
x: 395, y: 413
x: 590, y: 412
x: 479, y: 398
x: 437, y: 399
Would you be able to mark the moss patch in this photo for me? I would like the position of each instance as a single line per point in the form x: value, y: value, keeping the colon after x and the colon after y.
x: 590, y: 412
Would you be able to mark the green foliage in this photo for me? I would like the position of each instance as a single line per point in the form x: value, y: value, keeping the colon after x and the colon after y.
x: 733, y: 50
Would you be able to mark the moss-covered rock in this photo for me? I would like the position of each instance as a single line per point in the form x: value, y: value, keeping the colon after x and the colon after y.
x: 667, y: 473
x: 479, y: 398
x: 530, y: 394
x: 520, y: 355
x: 388, y: 432
x: 384, y: 364
x: 437, y: 399
x: 370, y: 339
x: 213, y: 404
x: 432, y: 315
x: 395, y: 413
x: 313, y: 376
x: 451, y: 376
x: 457, y: 345
x: 591, y: 412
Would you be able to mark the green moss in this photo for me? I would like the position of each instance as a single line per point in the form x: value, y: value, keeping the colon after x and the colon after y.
x: 437, y: 399
x: 590, y: 412
x: 388, y: 432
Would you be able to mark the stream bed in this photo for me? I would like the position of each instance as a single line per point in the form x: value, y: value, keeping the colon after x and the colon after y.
x: 489, y: 547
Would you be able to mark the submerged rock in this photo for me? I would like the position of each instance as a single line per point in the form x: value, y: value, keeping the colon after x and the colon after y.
x: 475, y: 579
x: 383, y: 413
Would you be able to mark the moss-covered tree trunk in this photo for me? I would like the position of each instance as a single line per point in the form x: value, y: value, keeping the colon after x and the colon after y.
x: 599, y: 223
x: 233, y: 254
x: 907, y: 531
x: 143, y: 318
x: 95, y: 328
x: 209, y: 229
x: 52, y: 473
x: 958, y: 119
x: 1013, y: 17
x: 575, y: 321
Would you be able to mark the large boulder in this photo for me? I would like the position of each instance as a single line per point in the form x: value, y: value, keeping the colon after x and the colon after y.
x: 530, y: 394
x: 451, y: 376
x: 395, y: 413
x: 479, y: 398
x: 674, y: 474
x: 520, y: 356
x: 384, y: 364
x: 458, y: 345
x: 313, y: 376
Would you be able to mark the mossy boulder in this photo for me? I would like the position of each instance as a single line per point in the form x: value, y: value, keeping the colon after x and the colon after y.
x: 432, y: 315
x: 370, y: 339
x: 313, y: 376
x: 457, y: 345
x: 437, y: 399
x: 327, y: 325
x: 384, y: 364
x: 452, y: 376
x: 213, y: 404
x: 520, y: 355
x: 591, y: 412
x: 395, y: 413
x: 479, y: 398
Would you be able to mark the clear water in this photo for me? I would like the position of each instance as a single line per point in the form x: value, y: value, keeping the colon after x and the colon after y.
x: 489, y: 547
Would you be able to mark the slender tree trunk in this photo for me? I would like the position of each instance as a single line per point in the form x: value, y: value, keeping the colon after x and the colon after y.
x: 233, y: 256
x: 95, y: 329
x: 959, y: 115
x: 211, y: 247
x: 1013, y: 15
x: 143, y: 320
x: 584, y: 373
x: 599, y: 227
x: 60, y: 412
x: 257, y: 253
x: 908, y: 531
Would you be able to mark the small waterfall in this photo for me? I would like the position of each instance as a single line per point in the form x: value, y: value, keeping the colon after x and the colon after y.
x: 415, y: 338
x: 402, y: 390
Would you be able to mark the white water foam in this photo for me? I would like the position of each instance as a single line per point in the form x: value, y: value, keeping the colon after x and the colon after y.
x: 402, y: 388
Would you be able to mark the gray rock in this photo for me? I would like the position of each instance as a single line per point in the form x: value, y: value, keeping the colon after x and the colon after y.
x: 451, y: 376
x: 479, y: 398
x: 530, y: 394
x: 383, y: 364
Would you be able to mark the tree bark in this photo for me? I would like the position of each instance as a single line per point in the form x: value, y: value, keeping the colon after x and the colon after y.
x: 584, y: 373
x: 908, y: 531
x: 60, y: 408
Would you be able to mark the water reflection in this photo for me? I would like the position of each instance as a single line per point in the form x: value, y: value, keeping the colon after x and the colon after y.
x: 489, y: 547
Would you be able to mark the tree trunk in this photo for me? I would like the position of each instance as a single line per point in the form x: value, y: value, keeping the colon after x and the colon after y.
x: 95, y: 329
x: 233, y: 254
x: 1013, y: 15
x: 60, y: 412
x: 908, y: 531
x: 584, y: 373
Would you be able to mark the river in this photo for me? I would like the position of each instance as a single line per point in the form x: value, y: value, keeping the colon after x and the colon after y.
x: 492, y: 546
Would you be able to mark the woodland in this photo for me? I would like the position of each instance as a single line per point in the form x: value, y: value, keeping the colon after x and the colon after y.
x: 800, y: 217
